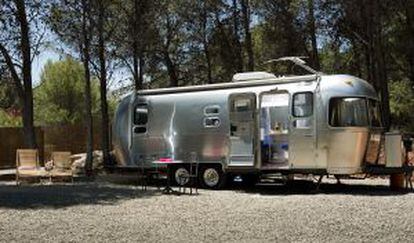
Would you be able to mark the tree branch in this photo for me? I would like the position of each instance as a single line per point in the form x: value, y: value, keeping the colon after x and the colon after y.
x: 38, y: 44
x: 12, y: 69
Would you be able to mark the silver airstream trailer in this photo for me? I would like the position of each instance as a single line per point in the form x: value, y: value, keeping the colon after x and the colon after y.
x: 258, y: 123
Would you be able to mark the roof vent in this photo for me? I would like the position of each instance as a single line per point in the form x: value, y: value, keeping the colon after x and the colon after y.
x: 252, y: 76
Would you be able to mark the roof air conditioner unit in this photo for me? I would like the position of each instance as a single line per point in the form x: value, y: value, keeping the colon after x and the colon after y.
x: 252, y: 76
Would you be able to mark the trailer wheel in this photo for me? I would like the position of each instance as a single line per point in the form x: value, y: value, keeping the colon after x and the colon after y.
x: 180, y: 176
x: 212, y: 177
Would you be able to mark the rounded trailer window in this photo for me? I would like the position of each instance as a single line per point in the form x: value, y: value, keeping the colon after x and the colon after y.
x: 348, y: 112
x: 211, y: 110
x: 212, y: 122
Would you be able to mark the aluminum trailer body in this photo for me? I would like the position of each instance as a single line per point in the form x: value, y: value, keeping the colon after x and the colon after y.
x: 319, y: 124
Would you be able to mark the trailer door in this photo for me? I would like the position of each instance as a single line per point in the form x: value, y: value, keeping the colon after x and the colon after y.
x: 274, y: 129
x: 139, y: 129
x: 242, y: 107
x: 302, y: 135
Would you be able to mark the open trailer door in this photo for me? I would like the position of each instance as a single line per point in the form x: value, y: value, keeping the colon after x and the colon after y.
x: 274, y: 129
x: 242, y: 107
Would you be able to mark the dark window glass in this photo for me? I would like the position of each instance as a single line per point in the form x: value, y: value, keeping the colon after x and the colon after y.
x: 141, y: 114
x: 241, y: 105
x: 212, y: 122
x: 348, y: 112
x: 302, y: 104
x: 374, y: 113
x: 140, y: 129
x: 211, y: 110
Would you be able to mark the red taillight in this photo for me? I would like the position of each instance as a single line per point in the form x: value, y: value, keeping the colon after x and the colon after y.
x: 165, y: 160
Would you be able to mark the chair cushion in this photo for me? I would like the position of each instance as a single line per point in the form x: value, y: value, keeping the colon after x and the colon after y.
x: 61, y: 173
x: 35, y: 172
x: 26, y: 167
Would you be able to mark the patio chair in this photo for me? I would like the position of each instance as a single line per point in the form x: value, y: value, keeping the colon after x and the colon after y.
x: 27, y: 164
x: 62, y: 165
x: 191, y: 177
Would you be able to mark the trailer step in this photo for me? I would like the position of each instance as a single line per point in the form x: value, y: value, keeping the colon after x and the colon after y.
x: 241, y: 160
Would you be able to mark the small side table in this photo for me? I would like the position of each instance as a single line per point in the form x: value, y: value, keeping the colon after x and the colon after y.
x: 45, y: 175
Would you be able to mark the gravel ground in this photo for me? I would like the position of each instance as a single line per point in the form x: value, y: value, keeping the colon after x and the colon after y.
x: 355, y: 211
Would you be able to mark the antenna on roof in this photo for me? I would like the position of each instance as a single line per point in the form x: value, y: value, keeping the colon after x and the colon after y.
x: 296, y: 60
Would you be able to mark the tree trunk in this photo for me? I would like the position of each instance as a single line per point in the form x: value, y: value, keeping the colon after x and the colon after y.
x: 409, y: 16
x: 85, y: 48
x: 248, y: 37
x: 104, y: 104
x: 138, y: 66
x: 137, y: 47
x: 28, y: 126
x: 208, y: 61
x: 206, y: 45
x: 367, y: 27
x: 312, y: 32
x: 141, y: 69
x: 135, y: 65
x: 227, y: 45
x: 172, y: 72
x: 386, y: 112
x: 377, y: 58
x: 382, y: 75
x: 238, y: 57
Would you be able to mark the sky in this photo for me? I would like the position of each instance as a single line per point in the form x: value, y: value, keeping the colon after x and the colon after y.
x: 118, y: 79
x: 39, y: 61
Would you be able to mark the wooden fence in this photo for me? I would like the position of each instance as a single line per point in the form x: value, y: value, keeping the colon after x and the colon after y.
x: 11, y: 138
x: 49, y: 138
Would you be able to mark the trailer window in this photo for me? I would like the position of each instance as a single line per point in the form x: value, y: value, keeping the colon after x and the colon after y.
x: 141, y: 114
x: 211, y: 110
x: 210, y: 122
x: 140, y: 129
x: 302, y: 104
x: 374, y: 113
x: 241, y: 105
x: 348, y: 112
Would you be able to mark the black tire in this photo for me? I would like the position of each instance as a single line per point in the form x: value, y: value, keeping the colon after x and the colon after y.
x: 174, y: 175
x: 212, y: 177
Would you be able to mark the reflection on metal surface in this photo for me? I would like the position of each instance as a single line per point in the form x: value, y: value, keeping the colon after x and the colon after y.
x: 206, y: 121
x: 172, y: 133
x: 347, y: 150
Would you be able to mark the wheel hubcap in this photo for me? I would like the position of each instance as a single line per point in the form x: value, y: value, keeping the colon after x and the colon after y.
x: 211, y: 177
x: 181, y: 176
